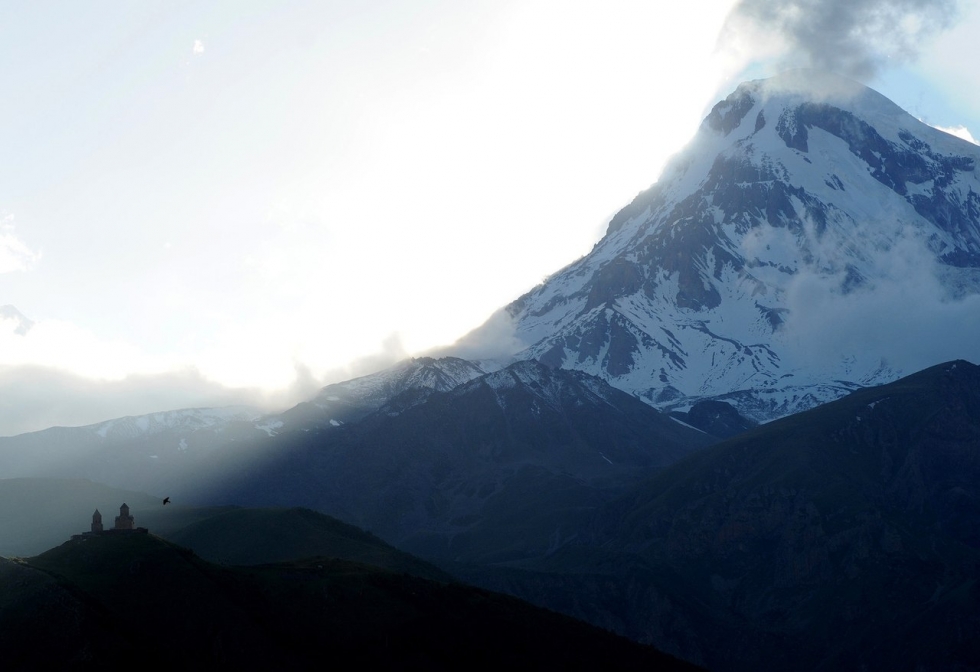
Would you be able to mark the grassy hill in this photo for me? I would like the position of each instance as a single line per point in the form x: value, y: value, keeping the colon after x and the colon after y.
x: 259, y: 536
x: 134, y: 598
x: 38, y: 513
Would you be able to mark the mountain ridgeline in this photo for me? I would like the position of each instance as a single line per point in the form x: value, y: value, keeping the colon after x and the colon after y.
x: 501, y: 467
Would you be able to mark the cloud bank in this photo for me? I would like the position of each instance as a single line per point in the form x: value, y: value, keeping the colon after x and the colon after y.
x: 38, y: 390
x: 911, y: 314
x: 15, y: 255
x: 37, y: 397
x: 961, y: 132
x: 854, y: 38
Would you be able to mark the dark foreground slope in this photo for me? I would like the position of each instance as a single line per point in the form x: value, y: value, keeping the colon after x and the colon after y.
x: 136, y: 599
x: 260, y: 536
x: 843, y: 537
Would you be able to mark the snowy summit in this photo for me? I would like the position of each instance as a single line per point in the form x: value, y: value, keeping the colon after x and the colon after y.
x: 790, y: 253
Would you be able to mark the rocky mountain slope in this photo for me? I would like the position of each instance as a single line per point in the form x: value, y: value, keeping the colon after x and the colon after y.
x: 152, y: 452
x: 131, y: 452
x: 767, y: 264
x: 845, y: 537
x: 351, y: 400
x: 503, y: 466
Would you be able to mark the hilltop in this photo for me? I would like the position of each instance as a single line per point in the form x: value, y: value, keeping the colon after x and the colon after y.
x: 129, y: 598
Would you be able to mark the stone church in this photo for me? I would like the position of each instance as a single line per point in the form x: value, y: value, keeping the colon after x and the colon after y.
x: 124, y: 522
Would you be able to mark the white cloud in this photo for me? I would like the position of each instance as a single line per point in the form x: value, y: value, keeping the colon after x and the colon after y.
x: 35, y: 397
x: 68, y: 347
x: 495, y: 338
x: 960, y: 132
x: 905, y: 316
x: 198, y: 47
x: 15, y: 255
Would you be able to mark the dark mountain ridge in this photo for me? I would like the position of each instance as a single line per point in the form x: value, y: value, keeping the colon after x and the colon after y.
x: 498, y: 467
x: 845, y: 537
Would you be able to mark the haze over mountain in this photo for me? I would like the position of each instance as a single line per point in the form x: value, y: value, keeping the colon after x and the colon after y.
x: 701, y: 435
x: 160, y: 451
x: 812, y: 238
x: 760, y: 275
x: 425, y: 455
x: 158, y: 244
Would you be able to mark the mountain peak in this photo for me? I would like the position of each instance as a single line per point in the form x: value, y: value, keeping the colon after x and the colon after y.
x: 804, y: 200
x: 815, y: 85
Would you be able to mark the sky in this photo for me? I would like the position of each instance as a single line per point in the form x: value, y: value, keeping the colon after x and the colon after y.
x: 238, y: 202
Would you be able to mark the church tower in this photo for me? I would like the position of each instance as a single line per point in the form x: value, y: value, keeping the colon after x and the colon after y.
x: 96, y: 522
x: 124, y: 521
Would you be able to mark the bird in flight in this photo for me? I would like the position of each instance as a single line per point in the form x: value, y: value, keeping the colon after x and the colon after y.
x: 166, y: 500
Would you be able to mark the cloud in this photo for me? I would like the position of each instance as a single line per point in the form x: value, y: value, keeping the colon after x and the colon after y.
x: 494, y: 339
x: 17, y: 323
x: 198, y: 47
x: 854, y: 38
x: 960, y: 132
x: 66, y: 346
x: 905, y: 316
x: 36, y: 397
x: 392, y: 351
x: 38, y: 392
x: 15, y: 255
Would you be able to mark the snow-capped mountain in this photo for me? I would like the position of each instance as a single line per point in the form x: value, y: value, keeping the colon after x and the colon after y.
x: 153, y: 434
x: 185, y: 420
x: 439, y: 375
x: 141, y: 450
x: 351, y: 400
x: 753, y: 269
x: 154, y: 443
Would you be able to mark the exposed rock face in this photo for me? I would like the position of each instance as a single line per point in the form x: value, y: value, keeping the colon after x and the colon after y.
x: 699, y: 287
x: 351, y: 400
x: 717, y: 418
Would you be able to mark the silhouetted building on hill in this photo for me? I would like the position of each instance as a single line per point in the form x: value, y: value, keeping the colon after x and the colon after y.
x: 124, y: 523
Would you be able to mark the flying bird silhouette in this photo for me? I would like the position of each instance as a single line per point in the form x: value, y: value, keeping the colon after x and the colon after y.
x: 166, y: 500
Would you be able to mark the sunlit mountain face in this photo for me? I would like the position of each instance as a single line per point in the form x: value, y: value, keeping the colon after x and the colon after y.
x: 812, y: 238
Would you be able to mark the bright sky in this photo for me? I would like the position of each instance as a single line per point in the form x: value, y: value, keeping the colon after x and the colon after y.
x: 227, y: 191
